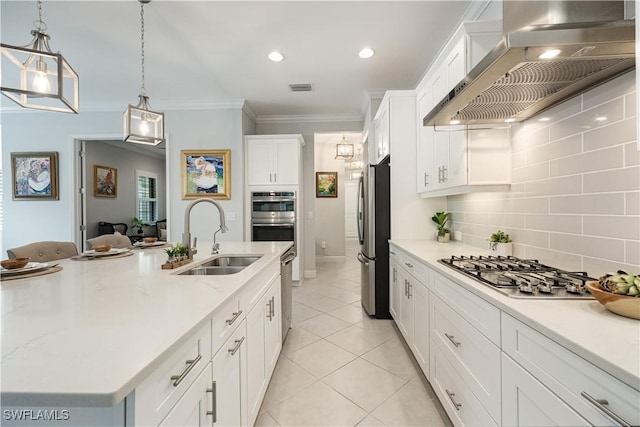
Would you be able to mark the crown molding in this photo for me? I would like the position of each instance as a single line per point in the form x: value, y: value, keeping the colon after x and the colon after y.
x: 248, y: 111
x: 308, y: 118
x: 369, y: 95
x: 228, y: 104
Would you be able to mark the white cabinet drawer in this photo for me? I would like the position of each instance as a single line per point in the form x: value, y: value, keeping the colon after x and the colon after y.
x: 482, y: 315
x: 473, y: 356
x: 461, y: 405
x: 569, y: 376
x: 225, y: 321
x: 416, y: 268
x: 166, y: 384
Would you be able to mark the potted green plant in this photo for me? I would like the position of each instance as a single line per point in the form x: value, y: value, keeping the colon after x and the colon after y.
x: 441, y: 219
x: 138, y: 223
x: 501, y: 243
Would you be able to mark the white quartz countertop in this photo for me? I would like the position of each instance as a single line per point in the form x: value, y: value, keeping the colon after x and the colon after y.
x: 585, y: 327
x: 87, y: 335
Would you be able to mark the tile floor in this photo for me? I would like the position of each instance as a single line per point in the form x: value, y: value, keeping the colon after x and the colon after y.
x: 339, y: 367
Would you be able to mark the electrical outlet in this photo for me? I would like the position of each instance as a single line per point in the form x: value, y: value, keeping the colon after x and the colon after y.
x: 457, y: 235
x: 231, y: 216
x: 310, y: 215
x: 323, y: 244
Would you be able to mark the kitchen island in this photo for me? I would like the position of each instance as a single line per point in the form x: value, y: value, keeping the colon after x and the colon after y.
x: 510, y: 361
x: 84, y: 339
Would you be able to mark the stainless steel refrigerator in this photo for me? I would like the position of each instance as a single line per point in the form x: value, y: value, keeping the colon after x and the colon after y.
x: 374, y: 226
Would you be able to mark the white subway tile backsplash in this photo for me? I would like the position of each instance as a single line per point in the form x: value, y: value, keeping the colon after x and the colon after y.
x: 607, y: 158
x: 554, y: 186
x: 622, y: 227
x: 597, y: 247
x: 613, y: 134
x: 574, y: 200
x: 562, y: 223
x: 632, y: 203
x: 627, y: 179
x: 603, y: 204
x: 611, y: 112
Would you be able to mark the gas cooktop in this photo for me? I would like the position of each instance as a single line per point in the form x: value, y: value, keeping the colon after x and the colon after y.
x: 522, y: 278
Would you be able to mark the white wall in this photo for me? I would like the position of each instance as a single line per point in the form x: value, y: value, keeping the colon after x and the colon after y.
x: 575, y: 198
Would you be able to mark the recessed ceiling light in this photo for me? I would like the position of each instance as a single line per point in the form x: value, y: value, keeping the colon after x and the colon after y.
x: 276, y: 56
x: 551, y: 53
x: 365, y: 53
x: 454, y: 122
x: 510, y: 120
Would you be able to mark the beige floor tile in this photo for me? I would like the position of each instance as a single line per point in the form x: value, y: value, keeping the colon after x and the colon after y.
x: 364, y: 383
x: 324, y: 304
x: 301, y: 312
x: 409, y: 406
x: 265, y: 420
x: 383, y: 326
x: 298, y: 338
x: 349, y: 313
x: 317, y: 405
x: 321, y: 358
x: 343, y: 295
x: 371, y: 421
x: 324, y: 325
x: 288, y: 378
x: 358, y: 340
x: 392, y: 356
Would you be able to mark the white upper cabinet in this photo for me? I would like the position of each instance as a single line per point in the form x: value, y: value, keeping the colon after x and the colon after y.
x: 382, y: 133
x: 456, y: 160
x: 273, y: 159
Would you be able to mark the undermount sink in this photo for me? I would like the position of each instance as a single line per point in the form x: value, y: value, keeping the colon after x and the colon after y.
x: 222, y: 265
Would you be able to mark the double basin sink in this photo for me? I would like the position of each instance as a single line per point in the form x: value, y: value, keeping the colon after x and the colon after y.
x: 222, y: 265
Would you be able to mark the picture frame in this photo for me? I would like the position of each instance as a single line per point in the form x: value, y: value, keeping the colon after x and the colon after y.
x: 34, y: 175
x: 326, y: 184
x: 206, y: 173
x: 105, y: 181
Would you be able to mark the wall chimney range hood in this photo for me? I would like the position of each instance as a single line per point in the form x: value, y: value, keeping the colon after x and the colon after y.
x: 565, y: 48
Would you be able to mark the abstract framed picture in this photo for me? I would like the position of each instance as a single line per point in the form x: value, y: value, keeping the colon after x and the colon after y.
x: 326, y: 184
x: 35, y: 175
x: 206, y: 173
x: 105, y: 181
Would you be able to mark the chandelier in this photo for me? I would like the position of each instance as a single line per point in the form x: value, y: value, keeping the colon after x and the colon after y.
x: 142, y: 125
x: 344, y: 150
x: 35, y: 77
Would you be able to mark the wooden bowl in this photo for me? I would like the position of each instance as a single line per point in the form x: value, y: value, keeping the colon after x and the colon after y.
x: 623, y: 305
x: 102, y: 248
x: 12, y: 263
x: 150, y: 239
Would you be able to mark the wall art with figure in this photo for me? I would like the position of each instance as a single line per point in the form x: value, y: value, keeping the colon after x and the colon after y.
x: 206, y: 173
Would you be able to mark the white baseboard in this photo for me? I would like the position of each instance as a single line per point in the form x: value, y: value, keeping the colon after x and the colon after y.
x: 331, y: 259
x: 310, y: 274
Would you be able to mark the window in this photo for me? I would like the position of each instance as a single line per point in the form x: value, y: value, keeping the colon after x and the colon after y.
x: 147, y: 196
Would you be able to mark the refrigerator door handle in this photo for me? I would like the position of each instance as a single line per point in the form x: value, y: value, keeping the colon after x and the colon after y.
x: 362, y: 260
x: 359, y: 209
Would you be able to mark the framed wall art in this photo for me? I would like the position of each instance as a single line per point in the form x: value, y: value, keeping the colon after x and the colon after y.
x: 206, y: 173
x: 105, y: 181
x: 326, y: 184
x: 35, y: 175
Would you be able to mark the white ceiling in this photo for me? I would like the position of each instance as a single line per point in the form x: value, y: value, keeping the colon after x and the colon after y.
x: 201, y: 53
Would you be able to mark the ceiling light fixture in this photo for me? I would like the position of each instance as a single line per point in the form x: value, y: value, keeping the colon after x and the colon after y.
x: 276, y: 56
x: 141, y: 124
x: 35, y: 77
x: 344, y: 150
x: 366, y: 53
x: 549, y: 54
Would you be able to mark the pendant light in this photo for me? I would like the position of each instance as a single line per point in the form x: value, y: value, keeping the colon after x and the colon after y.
x: 35, y: 77
x: 141, y: 124
x: 344, y: 150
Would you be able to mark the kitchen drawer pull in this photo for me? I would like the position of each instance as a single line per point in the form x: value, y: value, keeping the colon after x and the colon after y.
x: 408, y: 264
x: 451, y: 397
x: 600, y: 404
x: 269, y: 310
x: 452, y: 339
x: 235, y: 349
x: 392, y: 253
x: 214, y: 400
x: 234, y: 318
x: 395, y: 273
x: 177, y: 379
x: 406, y: 288
x: 273, y: 307
x: 409, y: 294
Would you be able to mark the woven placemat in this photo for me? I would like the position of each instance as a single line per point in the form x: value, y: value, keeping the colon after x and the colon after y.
x: 34, y: 274
x: 152, y: 247
x: 94, y: 258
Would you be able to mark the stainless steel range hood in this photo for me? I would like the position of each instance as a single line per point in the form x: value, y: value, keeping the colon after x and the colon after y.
x: 514, y: 81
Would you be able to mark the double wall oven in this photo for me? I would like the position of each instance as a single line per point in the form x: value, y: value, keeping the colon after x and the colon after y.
x: 273, y: 216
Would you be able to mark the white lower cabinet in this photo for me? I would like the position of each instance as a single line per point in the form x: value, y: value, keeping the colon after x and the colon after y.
x: 229, y: 371
x: 196, y: 407
x: 528, y: 403
x: 421, y: 322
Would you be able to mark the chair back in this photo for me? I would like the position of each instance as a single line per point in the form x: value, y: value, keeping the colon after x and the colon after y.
x: 116, y: 240
x: 111, y: 227
x: 44, y: 251
x: 161, y: 229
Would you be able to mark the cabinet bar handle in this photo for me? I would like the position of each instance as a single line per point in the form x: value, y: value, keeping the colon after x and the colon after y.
x: 408, y: 264
x: 177, y: 379
x: 392, y: 253
x: 406, y: 287
x: 395, y: 272
x: 445, y: 175
x: 409, y: 294
x: 452, y: 339
x: 235, y: 349
x: 273, y: 307
x: 214, y: 401
x: 269, y: 310
x: 451, y: 397
x: 275, y: 177
x: 600, y: 404
x: 236, y: 314
x: 425, y: 179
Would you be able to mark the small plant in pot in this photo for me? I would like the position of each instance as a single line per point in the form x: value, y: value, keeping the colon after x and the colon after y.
x: 441, y: 219
x: 501, y: 243
x: 138, y: 223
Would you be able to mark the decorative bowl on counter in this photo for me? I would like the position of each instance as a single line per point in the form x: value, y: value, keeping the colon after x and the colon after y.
x: 150, y: 239
x: 102, y: 248
x: 12, y: 263
x: 624, y: 305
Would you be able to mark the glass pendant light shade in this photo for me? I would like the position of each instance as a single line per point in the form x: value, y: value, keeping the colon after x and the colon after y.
x: 143, y: 125
x: 35, y: 77
x: 344, y: 150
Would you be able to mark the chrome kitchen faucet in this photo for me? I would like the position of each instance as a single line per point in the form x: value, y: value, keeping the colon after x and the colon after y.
x: 186, y: 236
